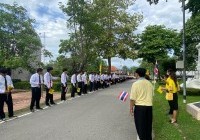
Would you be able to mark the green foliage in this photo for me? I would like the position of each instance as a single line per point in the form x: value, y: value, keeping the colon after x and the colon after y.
x: 18, y: 39
x: 57, y: 86
x: 193, y: 6
x: 157, y: 42
x: 102, y: 28
x: 22, y: 85
x: 192, y: 39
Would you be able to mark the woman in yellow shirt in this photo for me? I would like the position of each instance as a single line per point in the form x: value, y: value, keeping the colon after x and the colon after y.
x: 173, y: 88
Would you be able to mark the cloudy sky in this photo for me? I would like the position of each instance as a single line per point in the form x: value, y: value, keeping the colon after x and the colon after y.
x: 52, y: 22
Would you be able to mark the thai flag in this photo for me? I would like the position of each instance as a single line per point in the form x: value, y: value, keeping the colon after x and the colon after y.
x: 156, y: 68
x: 123, y: 96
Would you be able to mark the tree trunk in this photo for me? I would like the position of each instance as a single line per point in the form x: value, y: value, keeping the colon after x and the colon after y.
x: 109, y: 65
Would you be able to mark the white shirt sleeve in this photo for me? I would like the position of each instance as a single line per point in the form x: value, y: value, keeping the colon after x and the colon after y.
x: 63, y: 79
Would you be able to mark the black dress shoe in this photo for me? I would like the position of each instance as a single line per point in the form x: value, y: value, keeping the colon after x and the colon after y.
x: 53, y: 103
x: 39, y: 108
x: 13, y: 116
x: 32, y: 110
x: 47, y: 104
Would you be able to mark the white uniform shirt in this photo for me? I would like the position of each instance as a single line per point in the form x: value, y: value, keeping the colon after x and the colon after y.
x: 48, y: 80
x: 2, y: 83
x: 34, y: 80
x: 91, y: 78
x: 79, y: 79
x: 73, y: 79
x: 64, y: 78
x: 102, y: 77
x: 96, y: 77
x: 84, y: 78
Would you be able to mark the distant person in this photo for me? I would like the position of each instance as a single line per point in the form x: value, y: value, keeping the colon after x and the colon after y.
x: 84, y: 79
x: 91, y: 79
x: 141, y: 101
x: 80, y: 84
x: 48, y: 82
x: 36, y: 82
x: 64, y: 78
x: 73, y: 84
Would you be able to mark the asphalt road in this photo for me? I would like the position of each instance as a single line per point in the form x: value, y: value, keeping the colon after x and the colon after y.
x: 97, y: 116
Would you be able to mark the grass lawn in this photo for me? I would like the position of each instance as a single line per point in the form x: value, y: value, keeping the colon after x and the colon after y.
x: 188, y: 128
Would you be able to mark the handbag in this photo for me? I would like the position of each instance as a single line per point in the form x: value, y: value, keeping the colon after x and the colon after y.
x: 169, y: 96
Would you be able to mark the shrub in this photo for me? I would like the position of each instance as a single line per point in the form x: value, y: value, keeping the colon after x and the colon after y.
x: 22, y: 85
x: 16, y: 80
x: 191, y: 92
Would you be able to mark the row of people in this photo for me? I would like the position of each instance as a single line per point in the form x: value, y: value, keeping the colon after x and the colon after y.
x: 79, y: 83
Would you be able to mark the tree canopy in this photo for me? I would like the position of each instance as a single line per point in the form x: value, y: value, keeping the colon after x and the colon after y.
x: 102, y: 28
x: 158, y: 42
x: 19, y: 41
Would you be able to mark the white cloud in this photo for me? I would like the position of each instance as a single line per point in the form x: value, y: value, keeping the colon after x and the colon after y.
x: 52, y: 21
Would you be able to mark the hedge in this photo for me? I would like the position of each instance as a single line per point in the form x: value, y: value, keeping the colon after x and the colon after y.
x: 22, y: 85
x: 191, y: 92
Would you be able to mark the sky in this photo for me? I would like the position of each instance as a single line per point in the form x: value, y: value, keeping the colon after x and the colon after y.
x: 51, y: 22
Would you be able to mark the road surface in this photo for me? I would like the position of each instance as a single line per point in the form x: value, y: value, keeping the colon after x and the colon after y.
x: 97, y: 116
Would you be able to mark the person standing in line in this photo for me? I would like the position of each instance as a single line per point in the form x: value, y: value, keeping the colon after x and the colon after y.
x: 36, y: 82
x: 64, y: 78
x: 6, y: 87
x: 48, y: 82
x: 102, y: 81
x: 141, y: 102
x: 98, y: 81
x: 73, y: 84
x: 79, y: 80
x: 91, y: 79
x: 9, y: 100
x: 84, y: 79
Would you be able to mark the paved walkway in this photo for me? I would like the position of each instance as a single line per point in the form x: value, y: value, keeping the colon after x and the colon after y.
x: 97, y: 116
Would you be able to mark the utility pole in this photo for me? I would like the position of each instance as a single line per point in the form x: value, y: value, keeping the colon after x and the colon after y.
x: 184, y: 53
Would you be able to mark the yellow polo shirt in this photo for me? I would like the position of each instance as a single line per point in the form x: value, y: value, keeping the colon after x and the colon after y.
x: 142, y: 93
x: 172, y: 88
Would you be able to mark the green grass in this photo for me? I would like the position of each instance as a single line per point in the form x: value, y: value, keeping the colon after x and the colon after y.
x: 188, y: 128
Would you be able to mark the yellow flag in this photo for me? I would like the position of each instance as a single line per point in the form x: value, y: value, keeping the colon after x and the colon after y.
x: 51, y: 91
x: 100, y: 67
x: 160, y: 90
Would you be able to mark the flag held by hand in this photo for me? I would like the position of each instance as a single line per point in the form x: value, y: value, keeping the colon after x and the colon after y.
x: 123, y: 96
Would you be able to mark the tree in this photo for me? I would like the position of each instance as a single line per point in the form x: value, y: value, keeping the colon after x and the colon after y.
x: 116, y: 35
x: 101, y: 28
x: 20, y: 44
x: 193, y: 6
x: 158, y: 42
x: 192, y: 39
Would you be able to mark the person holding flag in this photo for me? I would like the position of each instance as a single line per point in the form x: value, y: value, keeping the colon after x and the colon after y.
x: 141, y: 102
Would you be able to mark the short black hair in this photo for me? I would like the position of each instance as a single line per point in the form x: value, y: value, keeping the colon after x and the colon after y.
x: 49, y: 69
x: 3, y: 70
x: 64, y: 69
x: 141, y: 72
x: 39, y: 70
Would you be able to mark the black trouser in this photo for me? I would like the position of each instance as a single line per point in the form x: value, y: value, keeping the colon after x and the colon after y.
x: 80, y: 86
x: 63, y: 93
x: 173, y: 103
x: 73, y: 90
x: 49, y: 97
x: 9, y: 103
x: 143, y: 121
x: 91, y: 86
x: 84, y: 88
x: 3, y: 98
x: 36, y: 96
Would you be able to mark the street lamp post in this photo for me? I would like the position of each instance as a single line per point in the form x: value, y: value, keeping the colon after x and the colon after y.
x: 184, y: 58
